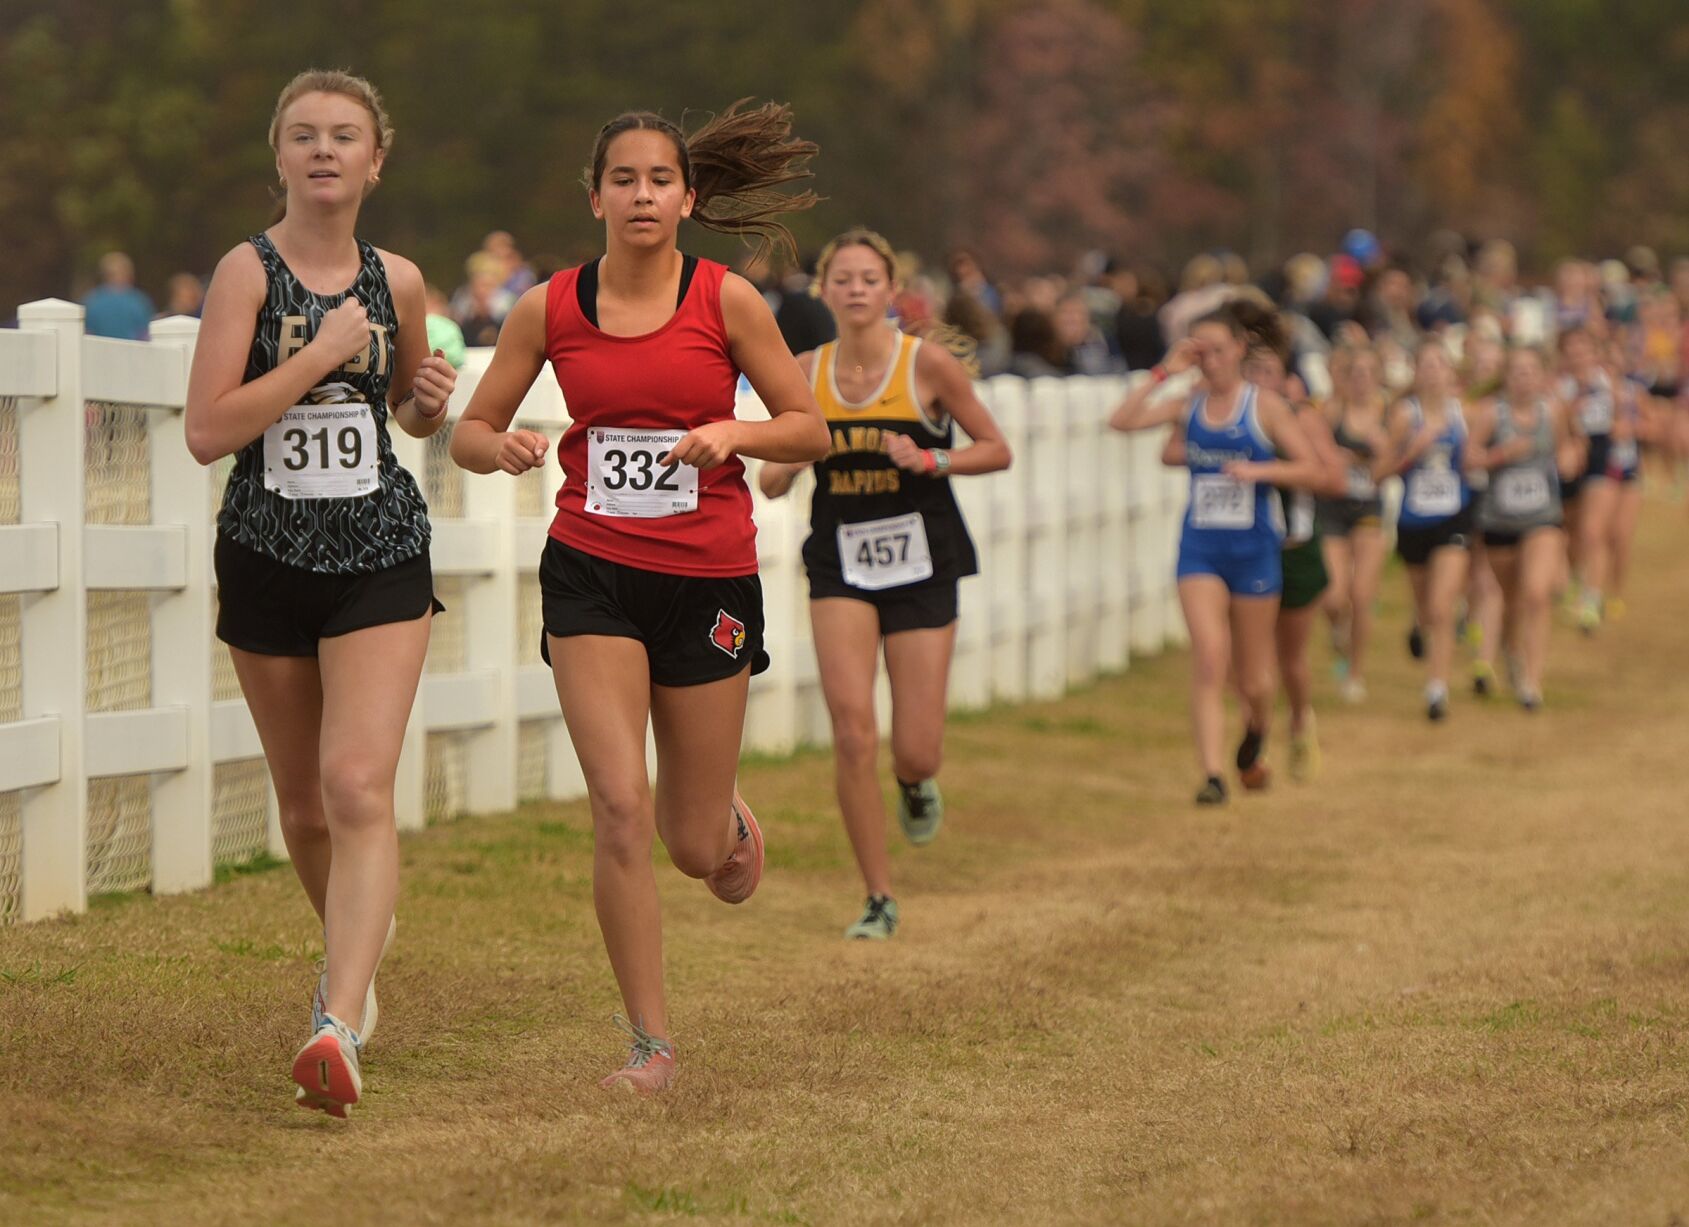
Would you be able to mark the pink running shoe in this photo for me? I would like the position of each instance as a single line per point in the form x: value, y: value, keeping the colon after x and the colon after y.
x: 650, y: 1066
x: 326, y: 1070
x: 736, y: 880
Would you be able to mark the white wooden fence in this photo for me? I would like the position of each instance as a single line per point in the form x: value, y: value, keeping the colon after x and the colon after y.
x: 128, y: 759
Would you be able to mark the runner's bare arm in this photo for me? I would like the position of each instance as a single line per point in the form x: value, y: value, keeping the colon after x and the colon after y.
x: 1300, y: 466
x: 1143, y: 408
x: 796, y: 430
x: 775, y: 478
x: 482, y: 441
x: 941, y: 379
x: 422, y: 382
x: 223, y: 414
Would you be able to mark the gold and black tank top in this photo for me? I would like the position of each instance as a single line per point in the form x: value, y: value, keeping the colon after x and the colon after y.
x: 857, y: 480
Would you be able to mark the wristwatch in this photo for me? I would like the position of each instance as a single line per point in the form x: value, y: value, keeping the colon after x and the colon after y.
x: 940, y: 462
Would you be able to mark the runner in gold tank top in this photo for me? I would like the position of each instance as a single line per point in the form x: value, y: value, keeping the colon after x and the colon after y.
x: 886, y: 548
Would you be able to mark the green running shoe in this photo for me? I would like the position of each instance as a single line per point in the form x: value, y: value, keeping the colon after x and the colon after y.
x: 920, y: 810
x: 879, y: 920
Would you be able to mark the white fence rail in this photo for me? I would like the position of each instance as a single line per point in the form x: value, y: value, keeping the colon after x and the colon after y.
x: 128, y: 758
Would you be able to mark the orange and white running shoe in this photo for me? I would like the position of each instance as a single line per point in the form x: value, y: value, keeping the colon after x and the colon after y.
x: 650, y: 1067
x: 326, y: 1070
x: 736, y: 880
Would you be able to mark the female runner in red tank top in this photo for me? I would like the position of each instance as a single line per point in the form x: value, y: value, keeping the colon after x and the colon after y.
x: 653, y: 610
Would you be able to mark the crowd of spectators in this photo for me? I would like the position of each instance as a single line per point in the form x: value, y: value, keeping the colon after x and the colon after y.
x: 1109, y: 314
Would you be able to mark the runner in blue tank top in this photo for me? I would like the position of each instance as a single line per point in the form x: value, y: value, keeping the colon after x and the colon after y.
x: 1427, y: 446
x: 1229, y: 567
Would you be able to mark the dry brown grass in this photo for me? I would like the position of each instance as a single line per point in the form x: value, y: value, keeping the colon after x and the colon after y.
x: 1448, y: 984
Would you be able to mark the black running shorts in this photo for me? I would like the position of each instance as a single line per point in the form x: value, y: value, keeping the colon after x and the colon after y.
x: 273, y: 609
x: 914, y: 607
x: 695, y: 629
x: 1416, y: 545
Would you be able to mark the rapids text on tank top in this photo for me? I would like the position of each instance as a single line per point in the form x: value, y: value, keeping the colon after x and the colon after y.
x: 873, y: 524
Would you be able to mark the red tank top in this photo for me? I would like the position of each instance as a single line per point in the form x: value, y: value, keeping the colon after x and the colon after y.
x: 677, y: 378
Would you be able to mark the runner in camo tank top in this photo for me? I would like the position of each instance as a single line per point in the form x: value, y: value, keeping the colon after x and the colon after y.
x: 312, y: 343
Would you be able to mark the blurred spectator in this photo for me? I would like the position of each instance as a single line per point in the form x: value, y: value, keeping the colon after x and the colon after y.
x: 1036, y: 349
x: 916, y: 301
x: 1447, y: 303
x: 1342, y: 297
x: 184, y: 295
x: 804, y: 320
x: 481, y: 316
x: 1363, y: 247
x: 1389, y: 311
x: 969, y: 315
x: 115, y: 307
x: 443, y: 332
x: 1142, y: 294
x: 1495, y: 282
x: 518, y: 277
x: 969, y: 278
x: 1084, y: 348
x: 1202, y: 288
x: 495, y: 301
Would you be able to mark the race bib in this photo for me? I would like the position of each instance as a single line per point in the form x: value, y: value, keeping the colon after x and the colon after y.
x: 322, y: 451
x: 1433, y: 493
x: 1521, y: 492
x: 1301, y: 527
x: 624, y: 476
x: 1595, y: 412
x: 1218, y: 501
x: 1361, y: 485
x: 889, y: 553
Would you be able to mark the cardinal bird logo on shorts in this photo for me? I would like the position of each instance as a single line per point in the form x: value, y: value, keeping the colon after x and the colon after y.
x: 729, y: 633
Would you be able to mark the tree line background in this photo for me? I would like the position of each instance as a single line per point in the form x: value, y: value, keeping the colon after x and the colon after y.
x: 1029, y: 130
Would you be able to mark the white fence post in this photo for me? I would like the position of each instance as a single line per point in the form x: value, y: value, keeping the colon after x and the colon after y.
x: 410, y: 779
x: 51, y: 443
x: 182, y: 634
x: 491, y: 647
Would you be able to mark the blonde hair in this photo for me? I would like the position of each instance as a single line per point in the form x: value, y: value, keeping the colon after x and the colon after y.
x: 331, y: 81
x: 856, y: 236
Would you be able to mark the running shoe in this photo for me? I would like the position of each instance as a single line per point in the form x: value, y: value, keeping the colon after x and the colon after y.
x: 1483, y: 678
x: 1305, y: 754
x: 920, y: 810
x: 1353, y: 690
x: 736, y: 880
x: 1436, y: 703
x: 326, y: 1070
x: 1416, y: 642
x: 878, y: 922
x: 1530, y: 700
x: 1472, y: 634
x: 1589, y: 617
x: 650, y: 1064
x: 372, y: 1011
x: 1213, y: 792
